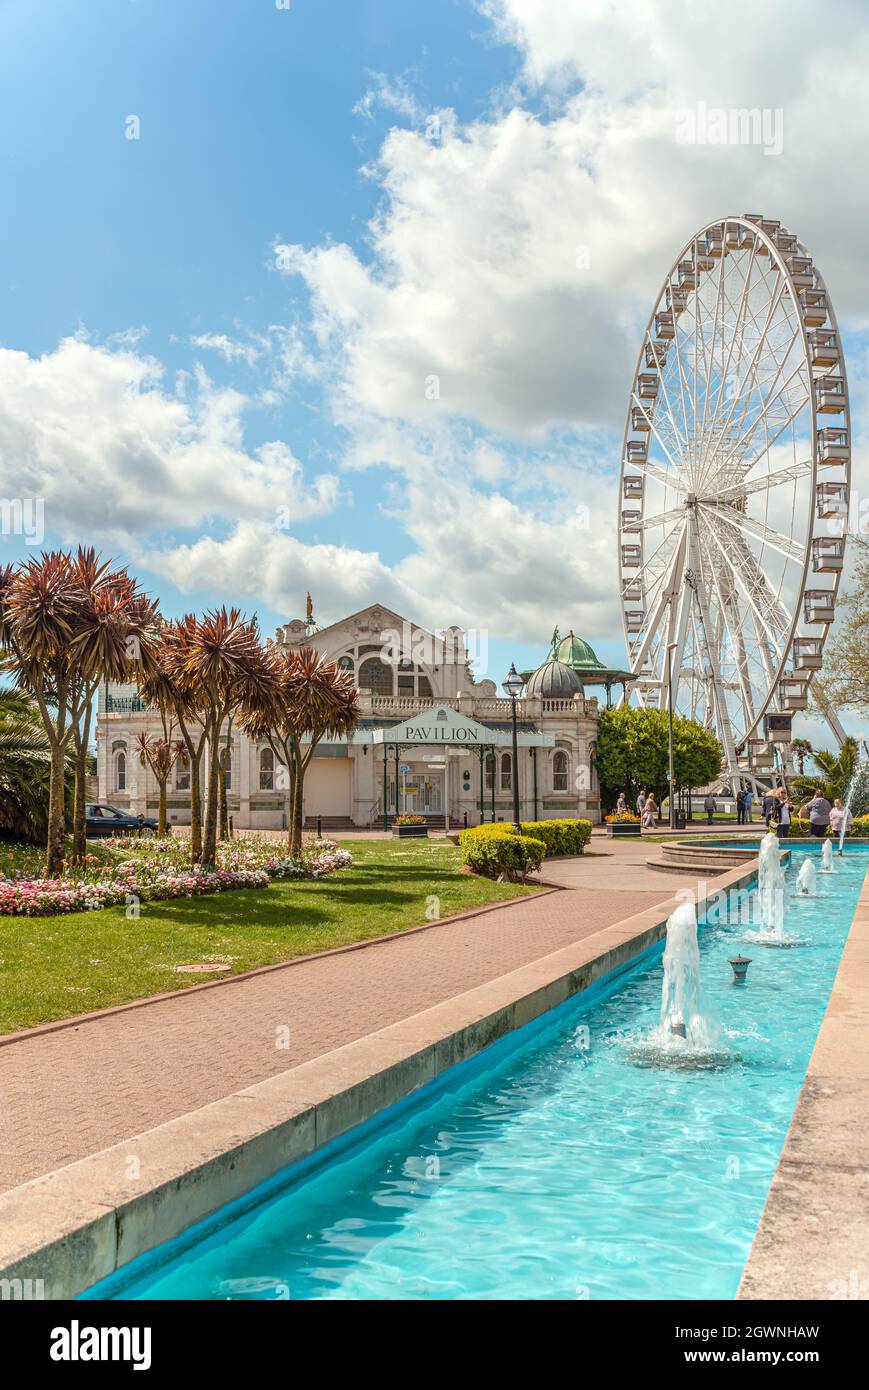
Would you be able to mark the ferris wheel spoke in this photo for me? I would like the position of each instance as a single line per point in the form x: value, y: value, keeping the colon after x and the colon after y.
x: 759, y: 419
x: 790, y: 474
x: 755, y: 528
x: 728, y: 603
x: 659, y: 518
x: 697, y: 580
x: 772, y: 623
x: 670, y: 585
x: 736, y: 336
x: 749, y: 382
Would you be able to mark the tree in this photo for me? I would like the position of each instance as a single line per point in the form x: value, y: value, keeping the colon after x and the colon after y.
x: 801, y: 749
x: 847, y: 657
x: 310, y: 699
x: 113, y: 640
x: 218, y: 661
x: 25, y: 767
x: 160, y: 755
x: 633, y: 752
x: 835, y: 771
x: 179, y: 704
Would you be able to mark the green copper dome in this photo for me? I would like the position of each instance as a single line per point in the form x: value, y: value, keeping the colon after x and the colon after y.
x: 554, y: 680
x: 577, y: 654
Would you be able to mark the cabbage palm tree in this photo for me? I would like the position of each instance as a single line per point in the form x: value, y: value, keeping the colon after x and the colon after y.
x: 219, y: 660
x: 835, y: 771
x: 39, y: 610
x: 179, y: 705
x: 310, y: 699
x: 114, y: 637
x: 160, y: 755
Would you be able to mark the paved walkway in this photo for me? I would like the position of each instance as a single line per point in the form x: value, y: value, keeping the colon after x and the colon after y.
x: 75, y: 1091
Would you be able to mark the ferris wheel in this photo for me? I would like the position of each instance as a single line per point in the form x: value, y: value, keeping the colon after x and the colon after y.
x: 734, y: 488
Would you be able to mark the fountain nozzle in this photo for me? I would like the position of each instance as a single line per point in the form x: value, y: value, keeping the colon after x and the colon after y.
x: 740, y: 966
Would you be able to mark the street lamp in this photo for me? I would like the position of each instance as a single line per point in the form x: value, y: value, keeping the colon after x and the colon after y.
x: 670, y: 649
x: 513, y: 684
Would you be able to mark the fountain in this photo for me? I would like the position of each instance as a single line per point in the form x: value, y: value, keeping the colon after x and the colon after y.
x: 686, y: 1037
x: 807, y: 880
x: 771, y: 887
x: 827, y: 858
x: 680, y: 1009
x: 857, y: 782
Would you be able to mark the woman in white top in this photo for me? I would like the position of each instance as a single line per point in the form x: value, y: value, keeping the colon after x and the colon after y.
x: 837, y: 815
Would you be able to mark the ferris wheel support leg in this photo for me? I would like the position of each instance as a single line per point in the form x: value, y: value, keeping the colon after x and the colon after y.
x: 695, y: 578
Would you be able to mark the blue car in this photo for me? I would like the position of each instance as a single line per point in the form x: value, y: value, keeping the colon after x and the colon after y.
x: 108, y: 820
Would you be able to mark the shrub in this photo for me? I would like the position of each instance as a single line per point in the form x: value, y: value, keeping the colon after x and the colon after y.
x: 410, y: 820
x: 560, y: 836
x: 494, y: 850
x: 621, y: 818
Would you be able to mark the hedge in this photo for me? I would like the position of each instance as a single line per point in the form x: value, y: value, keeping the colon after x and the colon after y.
x: 497, y: 849
x: 494, y: 850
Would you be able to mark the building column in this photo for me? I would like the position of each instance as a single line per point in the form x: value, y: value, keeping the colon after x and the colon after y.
x: 246, y: 752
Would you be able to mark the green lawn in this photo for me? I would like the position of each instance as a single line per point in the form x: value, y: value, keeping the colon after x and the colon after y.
x: 51, y: 967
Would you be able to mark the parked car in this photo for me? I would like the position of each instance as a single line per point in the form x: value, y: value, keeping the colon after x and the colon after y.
x: 108, y: 820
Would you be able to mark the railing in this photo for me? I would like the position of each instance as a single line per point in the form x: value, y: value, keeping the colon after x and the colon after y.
x: 126, y: 704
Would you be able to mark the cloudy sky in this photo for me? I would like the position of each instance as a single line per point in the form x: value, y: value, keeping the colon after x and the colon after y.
x: 345, y: 295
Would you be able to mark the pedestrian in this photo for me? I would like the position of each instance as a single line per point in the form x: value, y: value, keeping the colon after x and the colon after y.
x: 783, y: 813
x: 838, y: 814
x: 747, y: 802
x: 710, y: 807
x: 740, y: 808
x: 641, y: 802
x: 819, y: 810
x: 650, y: 811
x: 621, y: 805
x: 770, y: 799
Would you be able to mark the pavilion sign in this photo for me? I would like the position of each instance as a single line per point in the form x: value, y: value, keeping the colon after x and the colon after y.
x: 443, y: 725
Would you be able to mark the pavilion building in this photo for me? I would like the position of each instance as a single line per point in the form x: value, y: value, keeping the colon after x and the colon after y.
x: 432, y: 739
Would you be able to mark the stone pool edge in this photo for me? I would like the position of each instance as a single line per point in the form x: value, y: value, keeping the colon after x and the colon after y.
x: 812, y: 1241
x: 73, y: 1227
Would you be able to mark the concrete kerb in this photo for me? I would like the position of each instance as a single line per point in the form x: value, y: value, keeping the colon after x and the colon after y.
x: 73, y: 1227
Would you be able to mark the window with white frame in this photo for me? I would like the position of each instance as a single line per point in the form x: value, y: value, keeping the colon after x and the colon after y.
x: 560, y: 771
x: 266, y: 770
x: 506, y: 772
x: 120, y: 772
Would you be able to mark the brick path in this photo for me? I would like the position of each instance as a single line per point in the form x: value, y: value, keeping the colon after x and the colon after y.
x: 77, y: 1090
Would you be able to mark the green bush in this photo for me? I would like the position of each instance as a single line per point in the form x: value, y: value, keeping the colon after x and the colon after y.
x: 560, y: 836
x: 497, y: 849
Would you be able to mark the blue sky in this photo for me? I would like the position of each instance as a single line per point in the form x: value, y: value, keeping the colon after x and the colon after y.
x: 236, y: 316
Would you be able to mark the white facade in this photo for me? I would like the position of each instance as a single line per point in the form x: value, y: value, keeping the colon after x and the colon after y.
x: 402, y: 671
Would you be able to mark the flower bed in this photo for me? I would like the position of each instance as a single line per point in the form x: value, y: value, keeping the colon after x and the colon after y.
x: 158, y: 870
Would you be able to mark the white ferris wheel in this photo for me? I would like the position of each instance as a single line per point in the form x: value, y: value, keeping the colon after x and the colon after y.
x: 734, y: 488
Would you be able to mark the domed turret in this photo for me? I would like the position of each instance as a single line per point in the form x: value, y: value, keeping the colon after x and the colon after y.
x: 577, y: 654
x: 554, y: 680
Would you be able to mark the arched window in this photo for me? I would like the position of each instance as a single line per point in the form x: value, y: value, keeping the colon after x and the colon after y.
x: 266, y: 770
x: 227, y: 768
x: 490, y: 771
x: 182, y: 776
x: 506, y: 772
x: 375, y: 677
x: 121, y: 772
x: 560, y: 771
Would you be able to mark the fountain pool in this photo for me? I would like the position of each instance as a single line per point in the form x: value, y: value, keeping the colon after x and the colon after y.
x: 551, y: 1166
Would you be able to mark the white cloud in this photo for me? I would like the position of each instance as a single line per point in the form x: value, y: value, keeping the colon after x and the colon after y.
x: 96, y: 434
x: 228, y: 349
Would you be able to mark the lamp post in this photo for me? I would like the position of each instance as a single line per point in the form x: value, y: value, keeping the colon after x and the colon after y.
x: 513, y: 685
x: 670, y: 648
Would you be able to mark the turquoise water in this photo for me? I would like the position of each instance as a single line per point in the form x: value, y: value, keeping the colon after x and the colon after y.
x: 559, y: 1165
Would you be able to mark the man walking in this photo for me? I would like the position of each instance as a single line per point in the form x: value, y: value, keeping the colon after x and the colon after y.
x: 740, y: 808
x: 709, y: 807
x: 641, y: 804
x: 747, y: 802
x: 819, y: 813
